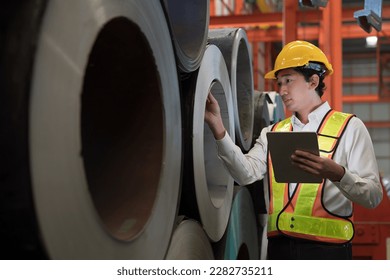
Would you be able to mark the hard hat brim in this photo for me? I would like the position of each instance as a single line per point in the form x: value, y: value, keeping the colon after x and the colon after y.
x: 270, y: 75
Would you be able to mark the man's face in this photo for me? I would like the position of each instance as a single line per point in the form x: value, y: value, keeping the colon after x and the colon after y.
x: 294, y: 90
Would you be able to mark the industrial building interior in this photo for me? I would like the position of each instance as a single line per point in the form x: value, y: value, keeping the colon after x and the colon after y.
x: 91, y: 175
x: 361, y: 90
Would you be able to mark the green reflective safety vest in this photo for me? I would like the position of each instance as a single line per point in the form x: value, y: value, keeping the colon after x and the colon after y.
x: 302, y: 215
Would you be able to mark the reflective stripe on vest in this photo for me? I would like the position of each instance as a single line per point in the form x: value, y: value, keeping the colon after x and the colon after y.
x: 303, y: 215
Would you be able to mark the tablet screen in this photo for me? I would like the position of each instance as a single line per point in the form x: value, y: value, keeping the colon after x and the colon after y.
x: 281, y: 146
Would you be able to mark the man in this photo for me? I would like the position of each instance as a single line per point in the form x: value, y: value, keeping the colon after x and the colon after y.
x: 307, y: 221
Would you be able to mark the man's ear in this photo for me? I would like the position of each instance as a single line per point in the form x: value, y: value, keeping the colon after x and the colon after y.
x: 314, y: 81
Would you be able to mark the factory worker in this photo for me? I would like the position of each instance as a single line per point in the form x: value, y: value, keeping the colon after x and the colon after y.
x: 307, y: 220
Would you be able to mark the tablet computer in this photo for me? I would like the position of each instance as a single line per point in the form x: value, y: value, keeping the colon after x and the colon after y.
x: 282, y: 145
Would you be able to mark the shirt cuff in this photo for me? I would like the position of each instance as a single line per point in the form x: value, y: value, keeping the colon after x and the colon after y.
x: 225, y: 144
x: 347, y: 181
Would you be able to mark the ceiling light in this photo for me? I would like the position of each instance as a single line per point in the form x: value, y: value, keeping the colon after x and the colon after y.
x: 371, y: 41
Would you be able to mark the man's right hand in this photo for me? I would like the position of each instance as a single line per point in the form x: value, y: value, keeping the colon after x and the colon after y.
x: 212, y: 117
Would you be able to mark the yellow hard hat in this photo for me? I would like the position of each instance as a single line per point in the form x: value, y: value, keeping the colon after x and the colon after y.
x: 298, y: 54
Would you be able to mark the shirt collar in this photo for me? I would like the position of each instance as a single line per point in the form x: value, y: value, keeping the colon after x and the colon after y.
x: 315, y: 117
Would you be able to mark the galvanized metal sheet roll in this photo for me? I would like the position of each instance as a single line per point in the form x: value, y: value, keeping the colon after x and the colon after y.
x: 263, y: 237
x: 105, y: 130
x: 190, y: 242
x: 19, y: 28
x: 234, y: 46
x: 241, y: 238
x: 259, y: 193
x: 189, y: 23
x: 261, y: 113
x: 257, y: 189
x: 276, y: 107
x: 213, y: 184
x: 207, y: 191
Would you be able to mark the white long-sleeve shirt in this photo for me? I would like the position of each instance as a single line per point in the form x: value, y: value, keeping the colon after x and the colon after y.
x: 355, y: 152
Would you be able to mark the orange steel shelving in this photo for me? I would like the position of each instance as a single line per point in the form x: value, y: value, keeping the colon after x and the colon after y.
x: 329, y: 26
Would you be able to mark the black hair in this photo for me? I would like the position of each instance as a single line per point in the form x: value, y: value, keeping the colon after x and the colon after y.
x: 308, y: 72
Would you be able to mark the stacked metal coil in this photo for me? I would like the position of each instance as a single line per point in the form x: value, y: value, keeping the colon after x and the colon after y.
x: 207, y: 186
x: 234, y: 46
x: 107, y: 155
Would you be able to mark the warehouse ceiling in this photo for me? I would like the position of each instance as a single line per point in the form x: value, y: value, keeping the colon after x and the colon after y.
x: 351, y: 45
x: 358, y: 45
x: 357, y: 3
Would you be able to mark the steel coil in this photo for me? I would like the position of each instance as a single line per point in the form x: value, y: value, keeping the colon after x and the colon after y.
x: 189, y: 242
x: 234, y: 46
x: 261, y: 113
x: 276, y: 107
x: 189, y: 23
x: 241, y: 238
x: 207, y: 186
x: 105, y: 130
